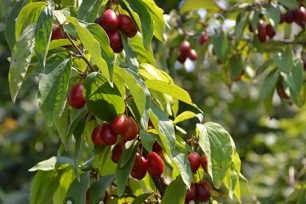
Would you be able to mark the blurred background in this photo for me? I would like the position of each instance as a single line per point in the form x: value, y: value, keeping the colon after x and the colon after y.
x: 271, y: 145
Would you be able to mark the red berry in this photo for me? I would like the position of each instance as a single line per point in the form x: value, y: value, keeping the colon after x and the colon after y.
x: 127, y: 25
x: 204, y: 38
x: 281, y: 92
x: 107, y: 135
x: 282, y: 18
x: 109, y: 21
x: 270, y: 31
x: 140, y: 167
x: 193, y: 55
x: 206, y: 185
x: 191, y: 194
x: 58, y: 33
x: 289, y: 16
x: 204, y: 162
x: 262, y: 34
x: 76, y: 98
x: 115, y: 41
x: 157, y: 148
x: 194, y: 160
x: 155, y: 164
x: 185, y: 48
x: 182, y: 58
x: 96, y: 136
x: 300, y: 15
x: 202, y: 193
x: 117, y: 152
x: 119, y: 124
x: 131, y: 131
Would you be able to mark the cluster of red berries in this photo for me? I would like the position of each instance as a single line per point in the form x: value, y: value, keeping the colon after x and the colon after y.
x: 265, y: 31
x: 198, y: 192
x: 107, y: 133
x: 196, y: 161
x: 153, y: 164
x: 186, y: 52
x: 297, y: 15
x: 113, y: 24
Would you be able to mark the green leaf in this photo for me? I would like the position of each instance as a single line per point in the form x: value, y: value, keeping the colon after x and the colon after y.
x: 131, y: 57
x: 175, y: 192
x: 221, y: 46
x: 21, y: 58
x: 295, y: 82
x: 143, y: 20
x: 53, y: 87
x: 147, y: 139
x: 9, y: 30
x: 186, y: 115
x: 191, y: 5
x: 218, y: 147
x: 42, y: 35
x: 66, y: 178
x: 92, y: 46
x: 106, y: 51
x: 62, y: 124
x: 28, y: 15
x: 105, y: 101
x: 158, y: 18
x: 141, y: 198
x: 89, y: 10
x: 273, y: 14
x: 289, y: 4
x: 43, y: 187
x: 77, y: 116
x: 170, y: 89
x: 284, y: 60
x: 77, y: 190
x: 46, y: 165
x: 241, y: 23
x: 98, y: 188
x: 183, y: 165
x: 123, y: 173
x: 127, y: 155
x: 269, y: 85
x: 164, y: 127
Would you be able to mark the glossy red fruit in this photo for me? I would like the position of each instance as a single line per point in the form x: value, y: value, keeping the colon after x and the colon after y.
x: 193, y: 55
x: 204, y: 38
x: 282, y: 18
x: 194, y: 160
x: 262, y: 34
x: 270, y: 31
x: 202, y: 193
x: 157, y: 148
x: 191, y: 194
x: 281, y: 92
x: 300, y: 15
x: 204, y: 162
x: 182, y: 58
x: 119, y: 124
x: 76, y: 97
x: 58, y: 33
x: 96, y: 136
x: 140, y: 166
x: 132, y: 130
x: 107, y: 135
x: 155, y: 164
x: 127, y: 25
x: 117, y: 152
x: 185, y: 48
x: 115, y: 41
x: 109, y: 21
x: 289, y: 16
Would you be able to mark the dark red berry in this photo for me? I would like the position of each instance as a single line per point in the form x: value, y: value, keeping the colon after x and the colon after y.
x: 202, y: 193
x: 204, y: 38
x: 204, y: 162
x: 76, y: 97
x: 289, y: 16
x: 281, y: 92
x: 191, y: 194
x: 119, y: 124
x: 107, y: 135
x: 132, y: 130
x: 182, y: 58
x: 96, y: 136
x: 270, y: 31
x: 115, y: 41
x: 109, y: 21
x: 262, y: 34
x: 58, y: 33
x: 300, y: 15
x: 194, y: 160
x: 155, y: 164
x: 157, y: 148
x: 139, y: 169
x: 185, y: 48
x: 117, y: 152
x: 127, y: 25
x: 193, y: 55
x: 282, y: 18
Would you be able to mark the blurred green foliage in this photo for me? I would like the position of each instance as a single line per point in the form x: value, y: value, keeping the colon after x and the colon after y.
x: 271, y: 145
